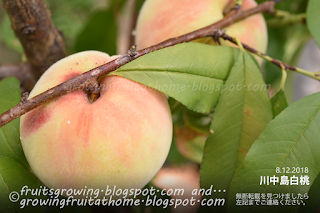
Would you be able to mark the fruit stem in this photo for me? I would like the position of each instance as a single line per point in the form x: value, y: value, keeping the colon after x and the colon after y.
x: 238, y: 42
x: 94, y: 92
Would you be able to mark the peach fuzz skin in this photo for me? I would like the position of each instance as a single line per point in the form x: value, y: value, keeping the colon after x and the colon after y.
x: 121, y: 139
x: 160, y: 20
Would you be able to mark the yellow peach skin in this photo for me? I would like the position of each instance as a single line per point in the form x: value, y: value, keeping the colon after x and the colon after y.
x: 121, y: 139
x: 159, y: 20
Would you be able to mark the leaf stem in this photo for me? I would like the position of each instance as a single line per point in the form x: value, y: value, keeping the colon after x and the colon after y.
x: 283, y: 78
x: 239, y: 44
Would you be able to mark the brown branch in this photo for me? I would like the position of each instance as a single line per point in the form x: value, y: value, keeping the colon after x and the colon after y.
x: 22, y: 71
x: 41, y: 41
x: 87, y: 79
x: 280, y: 64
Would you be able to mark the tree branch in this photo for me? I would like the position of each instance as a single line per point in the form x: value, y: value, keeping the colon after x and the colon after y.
x: 280, y: 64
x: 22, y: 71
x: 41, y: 41
x: 88, y: 79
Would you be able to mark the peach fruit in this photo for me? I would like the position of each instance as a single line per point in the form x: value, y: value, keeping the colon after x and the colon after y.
x: 122, y: 139
x: 159, y: 20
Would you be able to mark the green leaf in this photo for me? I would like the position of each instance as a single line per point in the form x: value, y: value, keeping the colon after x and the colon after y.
x: 279, y: 103
x: 13, y: 176
x: 313, y: 17
x: 199, y: 122
x: 9, y: 134
x: 190, y: 130
x: 191, y: 73
x: 10, y: 93
x: 175, y: 106
x: 182, y: 116
x: 290, y: 140
x: 242, y: 112
x: 8, y: 36
x: 312, y: 204
x: 99, y: 33
x: 14, y: 169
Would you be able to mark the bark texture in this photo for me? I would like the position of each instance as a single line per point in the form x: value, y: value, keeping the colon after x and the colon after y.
x: 41, y: 40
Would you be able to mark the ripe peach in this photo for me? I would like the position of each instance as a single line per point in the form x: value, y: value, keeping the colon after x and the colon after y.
x: 159, y: 20
x: 122, y: 139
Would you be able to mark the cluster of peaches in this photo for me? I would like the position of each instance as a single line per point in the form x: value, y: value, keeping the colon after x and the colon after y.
x: 123, y: 138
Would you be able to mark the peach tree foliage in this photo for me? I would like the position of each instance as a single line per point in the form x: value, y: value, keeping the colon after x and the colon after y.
x: 248, y: 135
x: 239, y: 118
x: 14, y: 169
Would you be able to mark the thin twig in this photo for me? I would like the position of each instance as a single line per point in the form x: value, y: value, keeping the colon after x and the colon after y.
x: 280, y: 64
x: 87, y: 79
